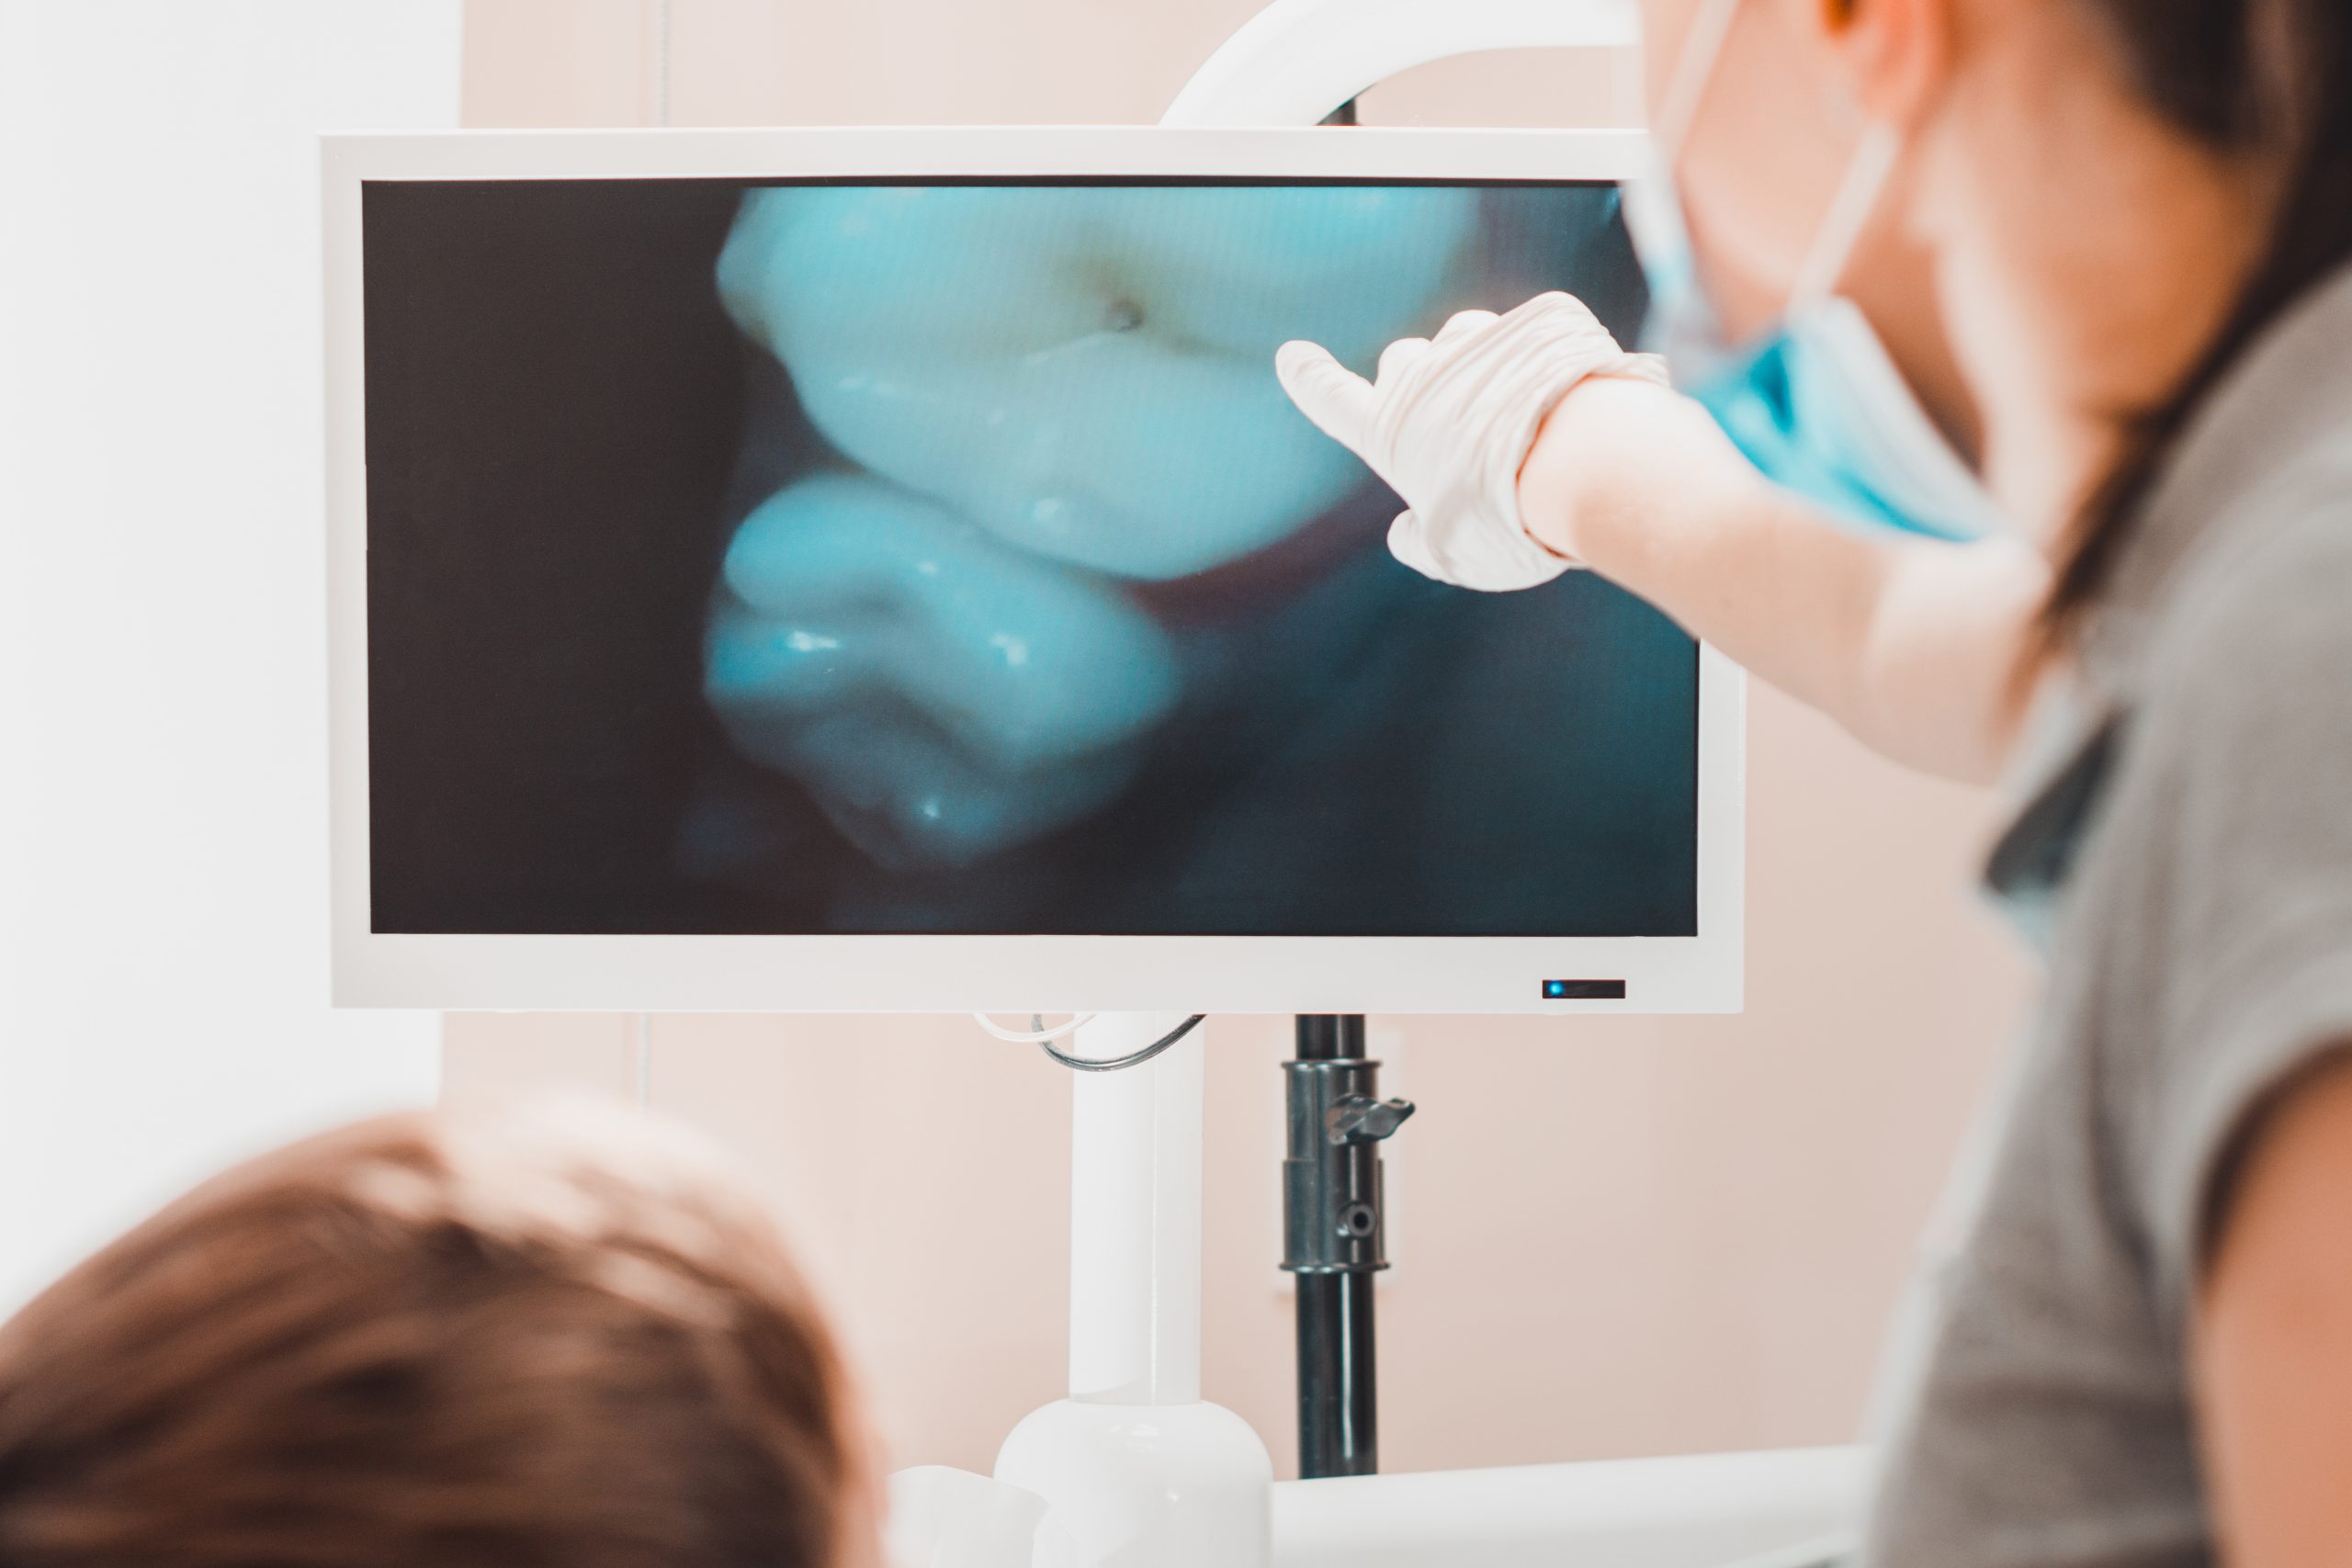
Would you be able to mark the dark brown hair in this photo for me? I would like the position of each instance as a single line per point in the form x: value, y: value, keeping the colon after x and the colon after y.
x: 2268, y: 81
x: 553, y: 1341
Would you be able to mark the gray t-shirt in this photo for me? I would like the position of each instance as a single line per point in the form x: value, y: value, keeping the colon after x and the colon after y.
x: 2194, y: 831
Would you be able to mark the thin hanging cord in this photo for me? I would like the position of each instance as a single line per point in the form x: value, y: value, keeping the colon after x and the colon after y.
x: 1118, y: 1064
x: 1037, y: 1030
x: 1037, y: 1035
x: 661, y: 61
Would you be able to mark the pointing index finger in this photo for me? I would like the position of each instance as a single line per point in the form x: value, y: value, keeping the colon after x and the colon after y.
x: 1339, y: 400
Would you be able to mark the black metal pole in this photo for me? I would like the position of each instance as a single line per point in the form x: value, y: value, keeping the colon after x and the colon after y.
x: 1332, y: 1240
x: 1339, y: 1395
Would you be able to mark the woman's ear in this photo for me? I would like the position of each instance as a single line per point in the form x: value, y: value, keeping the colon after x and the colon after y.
x: 1898, y: 53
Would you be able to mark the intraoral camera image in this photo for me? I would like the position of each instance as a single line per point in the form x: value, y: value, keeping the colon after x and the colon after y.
x: 945, y: 557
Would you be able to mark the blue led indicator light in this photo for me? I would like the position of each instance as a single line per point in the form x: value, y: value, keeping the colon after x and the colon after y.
x: 1584, y: 990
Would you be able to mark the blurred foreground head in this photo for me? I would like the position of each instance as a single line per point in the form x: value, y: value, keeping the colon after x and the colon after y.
x: 559, y: 1338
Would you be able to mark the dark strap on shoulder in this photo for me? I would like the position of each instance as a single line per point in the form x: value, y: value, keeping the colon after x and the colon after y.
x: 2036, y: 854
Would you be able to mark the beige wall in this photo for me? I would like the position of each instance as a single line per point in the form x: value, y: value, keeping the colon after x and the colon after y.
x: 552, y: 63
x: 1613, y: 1236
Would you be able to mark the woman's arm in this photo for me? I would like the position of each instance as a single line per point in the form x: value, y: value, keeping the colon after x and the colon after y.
x: 2272, y: 1360
x: 1522, y: 439
x: 1912, y: 645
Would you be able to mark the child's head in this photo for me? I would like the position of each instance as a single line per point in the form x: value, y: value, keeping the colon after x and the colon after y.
x: 558, y: 1340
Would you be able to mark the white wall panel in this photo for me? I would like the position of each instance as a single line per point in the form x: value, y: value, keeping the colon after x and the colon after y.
x: 162, y: 878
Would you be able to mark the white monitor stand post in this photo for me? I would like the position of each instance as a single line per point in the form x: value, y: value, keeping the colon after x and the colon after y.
x: 1135, y: 1465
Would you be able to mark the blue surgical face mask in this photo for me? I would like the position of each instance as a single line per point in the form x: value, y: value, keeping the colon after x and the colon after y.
x: 1815, y: 403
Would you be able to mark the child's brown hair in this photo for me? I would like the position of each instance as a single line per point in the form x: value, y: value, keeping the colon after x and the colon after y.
x: 545, y: 1340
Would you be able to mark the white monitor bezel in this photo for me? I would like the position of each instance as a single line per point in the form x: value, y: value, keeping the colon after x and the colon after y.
x: 953, y: 974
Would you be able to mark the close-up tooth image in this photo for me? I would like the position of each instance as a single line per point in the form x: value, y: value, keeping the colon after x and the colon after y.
x: 955, y: 558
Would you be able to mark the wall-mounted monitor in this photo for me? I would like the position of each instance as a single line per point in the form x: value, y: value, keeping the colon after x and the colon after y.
x: 878, y: 570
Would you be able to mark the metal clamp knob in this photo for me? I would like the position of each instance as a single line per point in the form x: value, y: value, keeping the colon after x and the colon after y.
x: 1360, y: 1119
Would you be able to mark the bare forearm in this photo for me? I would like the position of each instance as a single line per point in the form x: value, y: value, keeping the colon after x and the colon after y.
x: 1909, y: 645
x: 2272, y: 1353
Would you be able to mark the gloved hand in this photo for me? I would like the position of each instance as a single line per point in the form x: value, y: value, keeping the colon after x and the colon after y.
x: 1449, y: 423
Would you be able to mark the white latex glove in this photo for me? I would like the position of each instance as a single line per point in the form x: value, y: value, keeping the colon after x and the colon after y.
x: 1449, y: 423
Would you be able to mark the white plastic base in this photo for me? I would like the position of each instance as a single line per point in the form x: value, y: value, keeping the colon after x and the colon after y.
x: 1780, y: 1508
x: 1149, y: 1485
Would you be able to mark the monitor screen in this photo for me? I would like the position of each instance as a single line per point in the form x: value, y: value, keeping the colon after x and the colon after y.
x: 942, y: 557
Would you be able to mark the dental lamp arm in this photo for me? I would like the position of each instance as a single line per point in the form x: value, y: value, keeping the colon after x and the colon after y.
x: 1298, y: 60
x: 1912, y: 645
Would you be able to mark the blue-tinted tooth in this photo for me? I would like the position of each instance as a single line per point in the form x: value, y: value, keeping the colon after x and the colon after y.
x: 1085, y: 372
x: 942, y: 696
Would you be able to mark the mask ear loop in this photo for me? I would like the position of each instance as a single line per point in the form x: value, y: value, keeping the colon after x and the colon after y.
x: 1849, y: 212
x: 1702, y: 46
x: 1652, y: 209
